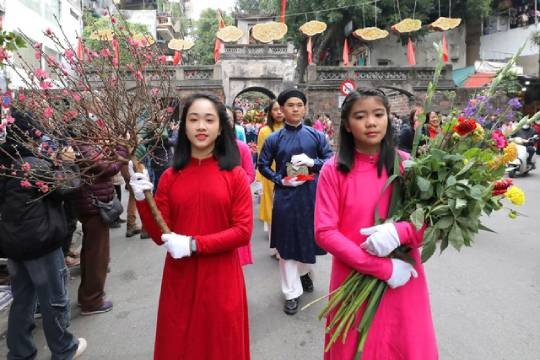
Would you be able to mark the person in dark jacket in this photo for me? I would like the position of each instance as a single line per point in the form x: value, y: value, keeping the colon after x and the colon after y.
x: 98, y: 185
x: 406, y: 135
x: 32, y: 230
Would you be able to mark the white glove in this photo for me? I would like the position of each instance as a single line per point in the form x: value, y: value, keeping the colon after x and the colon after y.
x: 292, y: 182
x: 382, y: 240
x: 401, y: 273
x: 302, y: 159
x: 177, y: 245
x: 139, y: 182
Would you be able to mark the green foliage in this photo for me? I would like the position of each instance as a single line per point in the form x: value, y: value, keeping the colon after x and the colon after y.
x: 205, y: 36
x: 509, y: 84
x: 93, y: 24
x: 11, y: 41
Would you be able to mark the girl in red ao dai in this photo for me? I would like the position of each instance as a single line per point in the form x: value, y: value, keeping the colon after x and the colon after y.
x: 206, y: 202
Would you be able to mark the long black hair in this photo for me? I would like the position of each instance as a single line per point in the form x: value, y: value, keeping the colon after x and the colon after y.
x: 225, y: 149
x: 269, y: 119
x: 346, y: 149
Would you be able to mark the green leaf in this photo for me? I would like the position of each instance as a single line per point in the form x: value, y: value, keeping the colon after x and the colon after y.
x: 408, y: 164
x: 440, y: 210
x: 19, y: 41
x: 485, y: 228
x: 467, y: 237
x: 444, y: 222
x: 428, y: 250
x: 472, y: 152
x: 476, y: 192
x: 451, y: 181
x: 417, y: 218
x: 466, y: 168
x: 455, y: 237
x: 444, y: 244
x: 460, y: 203
x: 423, y: 183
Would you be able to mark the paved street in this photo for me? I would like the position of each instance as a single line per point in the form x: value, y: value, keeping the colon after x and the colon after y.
x: 485, y: 300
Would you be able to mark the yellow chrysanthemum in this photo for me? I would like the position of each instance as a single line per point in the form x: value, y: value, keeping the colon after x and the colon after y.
x: 496, y: 163
x: 478, y: 133
x: 510, y: 153
x: 515, y: 195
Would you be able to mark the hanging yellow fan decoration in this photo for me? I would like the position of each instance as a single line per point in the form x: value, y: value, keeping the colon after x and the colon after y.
x: 444, y: 23
x: 370, y: 33
x: 147, y: 39
x: 103, y: 35
x: 229, y: 34
x: 268, y: 32
x: 313, y: 27
x: 407, y: 25
x: 180, y: 44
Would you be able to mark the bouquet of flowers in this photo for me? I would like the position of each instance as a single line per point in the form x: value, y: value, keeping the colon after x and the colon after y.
x: 445, y: 189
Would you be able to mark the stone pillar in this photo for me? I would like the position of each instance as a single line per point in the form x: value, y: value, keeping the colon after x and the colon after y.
x: 311, y: 73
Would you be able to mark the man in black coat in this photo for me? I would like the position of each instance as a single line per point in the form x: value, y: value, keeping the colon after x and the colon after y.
x: 32, y: 228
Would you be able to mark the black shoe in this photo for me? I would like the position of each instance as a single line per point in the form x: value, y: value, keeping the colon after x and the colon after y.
x: 115, y: 225
x: 291, y: 306
x: 144, y: 235
x: 307, y: 283
x: 122, y: 221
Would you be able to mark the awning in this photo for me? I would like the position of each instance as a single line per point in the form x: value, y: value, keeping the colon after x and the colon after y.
x: 460, y: 75
x: 478, y: 80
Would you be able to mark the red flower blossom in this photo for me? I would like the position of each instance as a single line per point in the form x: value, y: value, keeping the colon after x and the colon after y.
x: 501, y: 187
x: 26, y: 167
x: 465, y: 126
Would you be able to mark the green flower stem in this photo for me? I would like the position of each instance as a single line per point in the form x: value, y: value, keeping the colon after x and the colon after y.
x: 369, y: 314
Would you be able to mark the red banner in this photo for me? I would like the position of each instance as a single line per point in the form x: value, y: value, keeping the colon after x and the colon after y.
x: 309, y: 51
x: 283, y: 7
x: 444, y: 48
x: 177, y: 59
x: 345, y: 53
x: 411, y: 59
x: 217, y: 44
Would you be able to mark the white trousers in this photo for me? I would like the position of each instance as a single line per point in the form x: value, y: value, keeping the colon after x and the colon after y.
x: 290, y: 271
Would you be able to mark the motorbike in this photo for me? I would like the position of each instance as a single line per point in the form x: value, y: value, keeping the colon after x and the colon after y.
x: 520, y: 166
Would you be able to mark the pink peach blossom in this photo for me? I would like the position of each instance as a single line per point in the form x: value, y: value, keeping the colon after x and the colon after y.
x: 105, y: 52
x: 26, y: 184
x: 48, y: 112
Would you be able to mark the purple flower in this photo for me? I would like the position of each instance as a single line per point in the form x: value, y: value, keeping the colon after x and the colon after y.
x: 470, y: 110
x: 498, y: 111
x: 510, y: 115
x: 481, y: 120
x: 514, y: 103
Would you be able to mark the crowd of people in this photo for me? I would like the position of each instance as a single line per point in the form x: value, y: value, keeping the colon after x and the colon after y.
x: 309, y: 206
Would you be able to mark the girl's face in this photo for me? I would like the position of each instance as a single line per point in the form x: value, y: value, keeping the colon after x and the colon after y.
x: 367, y: 122
x: 276, y: 113
x: 434, y: 119
x: 202, y: 127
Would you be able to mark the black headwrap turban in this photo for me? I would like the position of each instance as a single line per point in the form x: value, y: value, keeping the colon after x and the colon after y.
x: 289, y: 93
